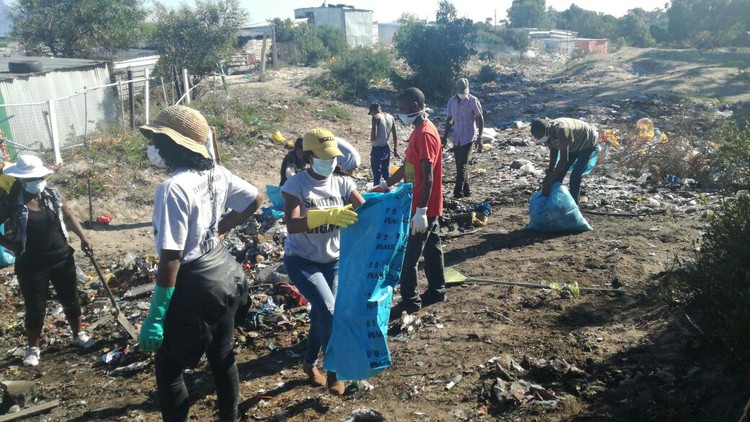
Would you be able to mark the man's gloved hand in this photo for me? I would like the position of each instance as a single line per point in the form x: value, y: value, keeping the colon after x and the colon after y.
x: 419, y: 221
x: 382, y: 187
x: 339, y: 216
x: 152, y: 329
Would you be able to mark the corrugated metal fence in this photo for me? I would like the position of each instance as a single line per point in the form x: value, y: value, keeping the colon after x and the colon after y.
x: 83, y: 101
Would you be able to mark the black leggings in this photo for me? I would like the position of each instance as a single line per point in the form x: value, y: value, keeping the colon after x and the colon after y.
x: 173, y: 394
x: 34, y: 279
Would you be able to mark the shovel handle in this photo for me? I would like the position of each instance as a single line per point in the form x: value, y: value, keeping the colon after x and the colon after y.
x: 90, y: 253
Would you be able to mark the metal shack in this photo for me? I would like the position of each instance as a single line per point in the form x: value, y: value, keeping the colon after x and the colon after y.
x: 355, y: 23
x: 592, y: 46
x: 37, y: 101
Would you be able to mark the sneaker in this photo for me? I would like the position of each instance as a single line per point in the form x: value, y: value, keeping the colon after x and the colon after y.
x: 32, y: 356
x: 335, y: 386
x: 315, y: 377
x: 401, y: 307
x: 430, y: 298
x: 83, y: 340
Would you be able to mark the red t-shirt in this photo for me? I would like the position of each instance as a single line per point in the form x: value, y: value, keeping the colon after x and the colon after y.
x: 424, y: 144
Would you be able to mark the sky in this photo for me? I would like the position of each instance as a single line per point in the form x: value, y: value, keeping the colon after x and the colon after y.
x: 391, y: 10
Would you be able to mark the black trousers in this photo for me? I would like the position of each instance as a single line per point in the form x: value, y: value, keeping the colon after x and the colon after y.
x: 34, y: 279
x: 427, y: 243
x: 461, y: 154
x: 200, y: 319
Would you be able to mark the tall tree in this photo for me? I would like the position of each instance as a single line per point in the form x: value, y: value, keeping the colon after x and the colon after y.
x: 527, y: 13
x: 78, y: 28
x: 436, y: 53
x: 636, y: 29
x: 197, y: 38
x: 708, y: 23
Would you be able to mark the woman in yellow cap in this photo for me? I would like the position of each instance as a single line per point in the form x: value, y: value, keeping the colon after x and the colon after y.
x: 317, y: 203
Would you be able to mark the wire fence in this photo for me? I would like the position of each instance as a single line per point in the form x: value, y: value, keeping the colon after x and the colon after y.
x: 67, y: 122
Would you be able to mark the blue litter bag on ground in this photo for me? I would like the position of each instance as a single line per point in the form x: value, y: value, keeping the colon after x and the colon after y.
x: 6, y: 257
x: 274, y: 195
x: 556, y: 212
x: 372, y: 253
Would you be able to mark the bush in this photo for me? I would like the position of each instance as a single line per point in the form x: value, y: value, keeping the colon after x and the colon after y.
x: 487, y: 73
x: 354, y: 70
x: 320, y: 43
x: 435, y: 53
x: 732, y: 162
x: 718, y: 286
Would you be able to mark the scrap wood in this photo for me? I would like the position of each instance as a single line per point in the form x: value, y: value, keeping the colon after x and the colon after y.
x: 33, y: 410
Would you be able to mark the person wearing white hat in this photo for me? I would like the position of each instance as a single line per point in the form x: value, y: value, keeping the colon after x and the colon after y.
x: 39, y: 217
x: 199, y: 285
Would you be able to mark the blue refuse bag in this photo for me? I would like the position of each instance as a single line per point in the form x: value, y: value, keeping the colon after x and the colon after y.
x: 274, y: 195
x: 556, y: 212
x: 6, y: 257
x: 372, y: 254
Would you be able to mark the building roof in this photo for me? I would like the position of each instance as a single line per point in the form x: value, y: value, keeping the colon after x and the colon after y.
x: 48, y: 63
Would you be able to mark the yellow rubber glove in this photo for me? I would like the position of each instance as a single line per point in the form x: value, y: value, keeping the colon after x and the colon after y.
x: 340, y: 216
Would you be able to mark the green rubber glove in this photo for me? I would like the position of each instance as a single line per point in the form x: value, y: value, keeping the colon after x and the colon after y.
x: 339, y: 216
x: 152, y: 329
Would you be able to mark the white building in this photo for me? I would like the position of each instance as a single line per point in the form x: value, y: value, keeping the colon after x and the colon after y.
x: 355, y: 23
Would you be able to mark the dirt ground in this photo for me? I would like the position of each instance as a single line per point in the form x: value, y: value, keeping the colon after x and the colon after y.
x: 602, y: 356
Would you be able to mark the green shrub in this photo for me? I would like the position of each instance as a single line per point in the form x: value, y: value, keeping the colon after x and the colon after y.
x: 320, y: 43
x: 718, y: 286
x: 487, y: 73
x: 354, y: 70
x: 732, y: 161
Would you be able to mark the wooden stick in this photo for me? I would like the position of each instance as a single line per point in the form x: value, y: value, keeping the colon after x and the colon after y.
x: 39, y: 408
x: 534, y: 286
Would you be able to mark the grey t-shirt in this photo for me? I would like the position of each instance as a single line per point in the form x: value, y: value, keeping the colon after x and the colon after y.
x: 385, y: 127
x: 320, y: 244
x: 351, y: 158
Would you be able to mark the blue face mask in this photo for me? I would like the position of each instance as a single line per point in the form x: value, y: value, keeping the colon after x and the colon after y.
x: 35, y: 187
x: 323, y: 167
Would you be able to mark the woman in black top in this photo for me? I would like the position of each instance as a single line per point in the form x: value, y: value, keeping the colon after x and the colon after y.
x: 38, y: 217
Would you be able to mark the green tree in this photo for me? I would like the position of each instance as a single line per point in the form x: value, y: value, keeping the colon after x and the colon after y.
x: 435, y: 53
x: 708, y: 23
x: 198, y: 38
x: 636, y: 29
x: 319, y: 43
x: 78, y: 28
x: 515, y: 38
x: 587, y: 24
x: 527, y: 13
x: 357, y: 68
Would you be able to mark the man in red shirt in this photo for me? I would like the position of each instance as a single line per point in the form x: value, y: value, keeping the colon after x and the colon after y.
x: 424, y: 168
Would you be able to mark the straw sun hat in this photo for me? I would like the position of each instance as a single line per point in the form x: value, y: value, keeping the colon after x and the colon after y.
x: 183, y: 125
x: 27, y: 167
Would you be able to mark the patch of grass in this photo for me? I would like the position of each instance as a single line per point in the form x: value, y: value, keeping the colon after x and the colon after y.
x: 334, y: 112
x: 242, y: 122
x: 303, y: 101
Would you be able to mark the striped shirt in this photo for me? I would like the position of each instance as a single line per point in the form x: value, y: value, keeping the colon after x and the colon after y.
x: 463, y: 114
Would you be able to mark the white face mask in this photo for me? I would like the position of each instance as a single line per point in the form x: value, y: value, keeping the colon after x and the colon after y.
x: 155, y: 158
x: 409, y: 119
x: 463, y: 96
x: 35, y: 187
x: 324, y: 167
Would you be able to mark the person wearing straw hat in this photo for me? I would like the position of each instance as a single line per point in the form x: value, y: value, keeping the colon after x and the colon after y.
x: 317, y: 204
x: 39, y: 217
x: 199, y: 285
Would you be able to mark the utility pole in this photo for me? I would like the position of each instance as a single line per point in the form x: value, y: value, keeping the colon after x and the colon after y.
x: 274, y: 52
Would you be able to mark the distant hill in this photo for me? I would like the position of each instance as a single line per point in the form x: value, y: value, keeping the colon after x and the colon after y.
x: 6, y: 25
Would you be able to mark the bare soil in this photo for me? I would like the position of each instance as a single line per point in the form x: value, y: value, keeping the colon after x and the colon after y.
x: 635, y: 354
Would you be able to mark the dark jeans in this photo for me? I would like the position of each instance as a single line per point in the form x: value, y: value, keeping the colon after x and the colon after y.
x: 34, y: 279
x: 579, y: 160
x: 380, y: 160
x: 427, y: 243
x: 461, y: 155
x: 317, y: 282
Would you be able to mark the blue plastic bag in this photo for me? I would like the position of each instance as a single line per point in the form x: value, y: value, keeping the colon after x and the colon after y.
x: 6, y: 257
x: 274, y: 195
x: 372, y: 253
x: 556, y: 212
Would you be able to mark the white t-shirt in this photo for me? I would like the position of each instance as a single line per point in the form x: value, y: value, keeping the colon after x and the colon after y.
x: 351, y: 158
x: 320, y: 244
x: 187, y: 212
